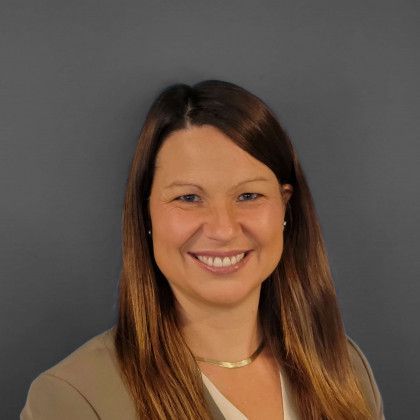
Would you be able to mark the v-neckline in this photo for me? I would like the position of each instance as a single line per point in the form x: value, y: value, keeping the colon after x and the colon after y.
x: 231, y: 412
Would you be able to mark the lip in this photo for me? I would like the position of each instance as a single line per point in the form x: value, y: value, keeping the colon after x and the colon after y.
x: 220, y: 253
x: 222, y: 270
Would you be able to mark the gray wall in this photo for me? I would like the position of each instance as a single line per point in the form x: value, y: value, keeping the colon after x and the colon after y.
x: 76, y: 80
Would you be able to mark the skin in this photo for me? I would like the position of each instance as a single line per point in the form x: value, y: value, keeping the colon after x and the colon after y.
x: 219, y: 313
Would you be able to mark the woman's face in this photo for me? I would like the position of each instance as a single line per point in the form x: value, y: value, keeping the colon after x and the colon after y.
x: 210, y: 198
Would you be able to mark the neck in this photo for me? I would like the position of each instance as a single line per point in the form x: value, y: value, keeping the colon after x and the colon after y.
x: 220, y: 332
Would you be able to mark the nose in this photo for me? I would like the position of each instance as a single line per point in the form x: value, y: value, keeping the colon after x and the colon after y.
x: 221, y: 223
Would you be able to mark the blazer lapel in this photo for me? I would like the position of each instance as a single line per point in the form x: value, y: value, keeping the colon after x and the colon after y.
x: 212, y: 406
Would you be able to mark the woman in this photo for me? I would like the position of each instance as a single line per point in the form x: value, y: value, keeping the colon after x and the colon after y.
x: 227, y: 307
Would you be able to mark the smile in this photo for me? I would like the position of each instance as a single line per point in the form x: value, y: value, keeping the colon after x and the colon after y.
x: 221, y: 265
x: 221, y: 262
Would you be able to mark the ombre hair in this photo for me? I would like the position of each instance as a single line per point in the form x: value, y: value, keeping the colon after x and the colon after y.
x: 298, y: 308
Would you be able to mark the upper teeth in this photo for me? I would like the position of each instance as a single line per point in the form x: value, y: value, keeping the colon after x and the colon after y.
x: 221, y: 262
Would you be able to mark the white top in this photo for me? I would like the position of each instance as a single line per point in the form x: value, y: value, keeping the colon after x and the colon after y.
x: 230, y: 412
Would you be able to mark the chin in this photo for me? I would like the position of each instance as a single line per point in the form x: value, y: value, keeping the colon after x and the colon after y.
x: 230, y: 295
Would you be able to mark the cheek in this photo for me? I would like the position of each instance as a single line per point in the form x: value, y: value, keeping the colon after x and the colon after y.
x: 269, y: 235
x: 171, y: 229
x: 269, y: 223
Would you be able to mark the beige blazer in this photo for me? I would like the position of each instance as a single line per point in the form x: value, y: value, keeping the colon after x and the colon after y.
x: 86, y: 385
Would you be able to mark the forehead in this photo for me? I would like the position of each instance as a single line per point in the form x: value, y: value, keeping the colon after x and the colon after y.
x: 205, y: 152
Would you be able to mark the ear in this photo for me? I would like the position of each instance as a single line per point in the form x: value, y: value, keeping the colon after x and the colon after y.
x: 149, y: 219
x: 286, y: 192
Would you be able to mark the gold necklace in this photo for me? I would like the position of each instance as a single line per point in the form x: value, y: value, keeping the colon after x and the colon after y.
x: 232, y: 365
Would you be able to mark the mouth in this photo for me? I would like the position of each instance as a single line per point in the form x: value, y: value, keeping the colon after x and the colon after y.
x: 221, y: 265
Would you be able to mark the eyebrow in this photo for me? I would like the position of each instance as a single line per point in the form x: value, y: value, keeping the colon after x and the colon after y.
x: 189, y: 184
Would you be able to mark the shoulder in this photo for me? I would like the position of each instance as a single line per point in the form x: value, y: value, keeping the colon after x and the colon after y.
x: 366, y: 378
x: 86, y: 384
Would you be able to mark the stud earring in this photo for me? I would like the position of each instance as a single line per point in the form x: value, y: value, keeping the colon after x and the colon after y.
x: 149, y: 232
x: 284, y: 223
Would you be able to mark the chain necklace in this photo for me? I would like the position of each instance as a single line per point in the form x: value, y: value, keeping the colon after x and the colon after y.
x: 233, y: 365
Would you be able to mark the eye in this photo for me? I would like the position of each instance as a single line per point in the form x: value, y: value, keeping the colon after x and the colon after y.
x: 248, y: 194
x: 190, y: 198
x: 186, y: 198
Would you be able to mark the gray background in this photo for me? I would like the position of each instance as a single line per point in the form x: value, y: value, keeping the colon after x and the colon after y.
x: 76, y: 80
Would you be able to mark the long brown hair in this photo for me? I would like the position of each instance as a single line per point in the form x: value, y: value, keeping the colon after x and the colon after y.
x: 298, y: 308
